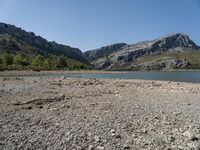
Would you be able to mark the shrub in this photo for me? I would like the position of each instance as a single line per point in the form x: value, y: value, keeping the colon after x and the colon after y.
x: 62, y: 63
x: 17, y: 59
x: 38, y: 61
x: 6, y: 58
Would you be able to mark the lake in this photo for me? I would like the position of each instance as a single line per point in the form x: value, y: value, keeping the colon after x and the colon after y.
x: 180, y: 76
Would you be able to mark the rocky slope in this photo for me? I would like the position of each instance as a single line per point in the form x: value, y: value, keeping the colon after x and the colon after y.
x: 103, y: 51
x: 127, y: 56
x: 17, y: 40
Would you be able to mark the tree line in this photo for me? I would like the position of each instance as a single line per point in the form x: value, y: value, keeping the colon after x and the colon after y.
x: 10, y: 61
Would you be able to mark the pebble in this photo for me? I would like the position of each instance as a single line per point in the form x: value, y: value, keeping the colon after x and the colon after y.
x: 112, y: 131
x: 90, y: 147
x: 126, y: 146
x: 97, y: 139
x: 189, y: 134
x: 100, y: 148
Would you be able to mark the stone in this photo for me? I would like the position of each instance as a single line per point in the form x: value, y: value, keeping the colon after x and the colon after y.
x: 97, y: 139
x: 171, y: 138
x: 190, y: 135
x: 126, y: 146
x: 90, y: 147
x: 100, y: 148
x: 112, y: 131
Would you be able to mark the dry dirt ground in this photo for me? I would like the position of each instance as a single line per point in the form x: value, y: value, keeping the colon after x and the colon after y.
x: 98, y: 114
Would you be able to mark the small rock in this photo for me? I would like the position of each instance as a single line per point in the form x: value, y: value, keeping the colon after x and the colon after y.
x: 118, y: 136
x: 126, y: 146
x: 100, y: 148
x: 162, y: 112
x: 192, y: 145
x: 29, y: 107
x: 53, y: 109
x: 112, y: 131
x: 177, y: 113
x: 134, y: 135
x: 41, y: 107
x: 171, y: 138
x: 64, y: 77
x: 133, y: 114
x: 97, y: 139
x: 190, y: 135
x: 90, y: 147
x: 62, y: 96
x: 145, y: 131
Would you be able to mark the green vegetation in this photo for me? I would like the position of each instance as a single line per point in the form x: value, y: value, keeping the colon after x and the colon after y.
x: 192, y: 56
x: 12, y: 61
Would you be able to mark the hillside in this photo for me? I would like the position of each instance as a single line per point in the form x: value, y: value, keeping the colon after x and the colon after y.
x: 92, y: 55
x: 16, y: 41
x: 20, y: 49
x: 171, y: 51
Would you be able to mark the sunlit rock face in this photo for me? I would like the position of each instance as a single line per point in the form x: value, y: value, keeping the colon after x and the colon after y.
x: 128, y: 54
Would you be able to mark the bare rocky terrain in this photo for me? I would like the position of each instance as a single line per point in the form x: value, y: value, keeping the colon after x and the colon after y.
x: 98, y: 114
x: 127, y: 57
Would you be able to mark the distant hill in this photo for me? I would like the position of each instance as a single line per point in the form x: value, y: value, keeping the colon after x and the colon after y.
x: 167, y: 52
x: 25, y: 50
x: 92, y: 55
x: 17, y: 40
x: 22, y: 49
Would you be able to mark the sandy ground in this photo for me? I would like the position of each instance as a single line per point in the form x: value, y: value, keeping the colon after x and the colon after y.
x: 98, y: 114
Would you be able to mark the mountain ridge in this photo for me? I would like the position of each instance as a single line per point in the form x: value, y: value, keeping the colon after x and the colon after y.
x: 91, y: 55
x: 173, y: 51
x: 128, y: 55
x: 11, y: 36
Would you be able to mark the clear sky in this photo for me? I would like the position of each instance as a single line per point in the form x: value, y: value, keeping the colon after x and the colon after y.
x: 89, y: 24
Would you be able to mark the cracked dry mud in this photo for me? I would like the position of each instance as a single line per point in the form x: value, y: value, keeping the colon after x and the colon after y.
x: 98, y: 114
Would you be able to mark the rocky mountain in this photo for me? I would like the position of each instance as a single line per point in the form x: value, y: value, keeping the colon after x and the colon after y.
x: 171, y: 51
x: 103, y: 51
x: 17, y: 40
x: 130, y: 56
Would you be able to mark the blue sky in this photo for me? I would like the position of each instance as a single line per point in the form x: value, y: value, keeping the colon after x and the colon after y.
x: 89, y: 24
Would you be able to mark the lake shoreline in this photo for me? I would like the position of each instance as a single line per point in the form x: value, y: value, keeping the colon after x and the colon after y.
x: 171, y: 76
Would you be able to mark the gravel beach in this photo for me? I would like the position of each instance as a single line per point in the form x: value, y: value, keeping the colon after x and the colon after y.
x: 98, y: 114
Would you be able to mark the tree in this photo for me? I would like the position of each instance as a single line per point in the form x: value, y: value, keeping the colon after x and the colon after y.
x: 82, y: 67
x: 62, y: 63
x: 17, y: 60
x: 7, y: 58
x: 52, y: 62
x: 1, y: 60
x: 21, y: 60
x: 46, y: 64
x: 38, y: 61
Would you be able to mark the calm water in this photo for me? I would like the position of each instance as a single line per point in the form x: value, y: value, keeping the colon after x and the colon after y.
x: 182, y: 76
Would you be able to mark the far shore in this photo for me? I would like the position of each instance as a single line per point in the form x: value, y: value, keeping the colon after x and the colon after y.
x: 31, y: 72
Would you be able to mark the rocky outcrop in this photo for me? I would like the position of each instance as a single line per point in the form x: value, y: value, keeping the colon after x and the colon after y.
x: 164, y: 64
x: 17, y: 40
x: 128, y: 55
x: 103, y: 51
